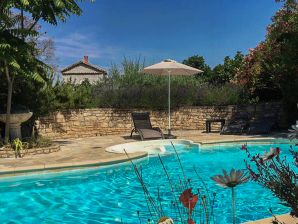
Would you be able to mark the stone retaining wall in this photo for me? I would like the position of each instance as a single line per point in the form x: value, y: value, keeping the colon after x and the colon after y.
x: 10, y: 153
x: 109, y: 121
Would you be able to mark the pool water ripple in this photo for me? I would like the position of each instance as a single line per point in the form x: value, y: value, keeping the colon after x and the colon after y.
x: 113, y: 194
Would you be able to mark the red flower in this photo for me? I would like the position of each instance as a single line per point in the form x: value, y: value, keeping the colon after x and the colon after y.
x: 188, y: 199
x: 190, y: 221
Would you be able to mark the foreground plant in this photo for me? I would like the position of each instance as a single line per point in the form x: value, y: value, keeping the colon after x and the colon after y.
x: 188, y: 207
x: 189, y: 201
x: 271, y: 154
x: 276, y: 174
x: 17, y: 145
x: 235, y: 178
x: 293, y: 132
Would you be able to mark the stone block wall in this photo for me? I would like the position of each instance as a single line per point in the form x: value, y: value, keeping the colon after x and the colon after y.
x: 10, y: 153
x: 110, y: 121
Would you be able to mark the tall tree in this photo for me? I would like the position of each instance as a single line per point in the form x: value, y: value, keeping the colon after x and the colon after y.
x: 270, y: 70
x: 227, y: 71
x: 198, y: 62
x: 221, y: 73
x: 18, y: 55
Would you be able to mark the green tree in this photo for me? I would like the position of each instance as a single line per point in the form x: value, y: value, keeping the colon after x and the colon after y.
x: 198, y: 62
x: 221, y: 73
x: 270, y: 70
x: 227, y: 71
x: 16, y: 58
x: 18, y: 53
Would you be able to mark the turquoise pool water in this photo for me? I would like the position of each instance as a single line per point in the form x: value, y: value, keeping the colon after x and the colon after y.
x: 113, y: 194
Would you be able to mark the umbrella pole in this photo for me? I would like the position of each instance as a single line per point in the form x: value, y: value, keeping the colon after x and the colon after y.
x: 169, y: 104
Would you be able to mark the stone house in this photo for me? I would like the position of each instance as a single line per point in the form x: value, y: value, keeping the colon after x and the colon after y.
x: 82, y: 70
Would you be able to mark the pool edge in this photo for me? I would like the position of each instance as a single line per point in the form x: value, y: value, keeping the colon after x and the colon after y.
x: 69, y: 166
x: 15, y: 171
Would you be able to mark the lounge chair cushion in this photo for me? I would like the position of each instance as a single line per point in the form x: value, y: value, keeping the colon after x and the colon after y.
x: 150, y: 133
x: 235, y: 127
x: 143, y: 126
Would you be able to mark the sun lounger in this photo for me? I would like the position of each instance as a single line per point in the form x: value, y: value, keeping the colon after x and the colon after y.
x: 262, y: 125
x: 236, y: 125
x: 143, y: 126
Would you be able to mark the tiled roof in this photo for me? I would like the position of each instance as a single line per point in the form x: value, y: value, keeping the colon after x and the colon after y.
x: 82, y: 67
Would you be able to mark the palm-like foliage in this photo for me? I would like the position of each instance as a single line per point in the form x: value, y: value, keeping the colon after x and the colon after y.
x: 17, y: 58
x: 47, y: 10
x: 18, y: 55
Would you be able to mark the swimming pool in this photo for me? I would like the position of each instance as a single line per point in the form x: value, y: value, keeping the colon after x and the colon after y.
x: 113, y: 195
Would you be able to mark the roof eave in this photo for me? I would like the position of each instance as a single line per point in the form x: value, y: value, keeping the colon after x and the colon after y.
x: 82, y: 62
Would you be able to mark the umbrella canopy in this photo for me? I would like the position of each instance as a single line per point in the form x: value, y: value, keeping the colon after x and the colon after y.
x: 170, y: 67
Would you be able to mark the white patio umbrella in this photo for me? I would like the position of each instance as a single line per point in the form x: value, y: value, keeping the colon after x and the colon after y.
x: 170, y: 67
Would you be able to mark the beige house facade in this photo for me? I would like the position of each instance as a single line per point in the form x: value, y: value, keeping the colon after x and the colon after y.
x: 81, y: 70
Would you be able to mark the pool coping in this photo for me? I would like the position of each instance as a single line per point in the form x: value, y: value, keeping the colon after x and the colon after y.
x: 147, y: 146
x: 121, y: 158
x: 70, y: 166
x: 285, y: 218
x: 264, y: 140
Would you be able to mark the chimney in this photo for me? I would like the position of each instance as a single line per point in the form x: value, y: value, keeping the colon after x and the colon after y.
x: 86, y: 60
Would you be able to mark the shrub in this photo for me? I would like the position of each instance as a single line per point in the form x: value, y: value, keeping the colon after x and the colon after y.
x: 277, y: 174
x: 190, y: 199
x: 124, y: 88
x: 133, y: 90
x: 156, y: 97
x: 37, y: 142
x: 220, y: 95
x: 269, y: 71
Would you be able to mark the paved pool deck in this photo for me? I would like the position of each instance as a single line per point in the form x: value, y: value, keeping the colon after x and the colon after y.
x: 90, y: 151
x: 286, y: 219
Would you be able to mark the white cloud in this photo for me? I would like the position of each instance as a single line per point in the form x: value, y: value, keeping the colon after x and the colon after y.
x: 72, y: 47
x: 77, y: 45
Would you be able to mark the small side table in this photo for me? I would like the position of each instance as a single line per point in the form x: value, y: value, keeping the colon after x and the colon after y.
x: 209, y: 121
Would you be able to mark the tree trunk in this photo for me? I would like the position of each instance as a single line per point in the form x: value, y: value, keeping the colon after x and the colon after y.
x: 8, y: 104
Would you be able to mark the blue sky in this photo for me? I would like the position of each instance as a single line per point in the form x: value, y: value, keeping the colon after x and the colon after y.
x: 108, y: 30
